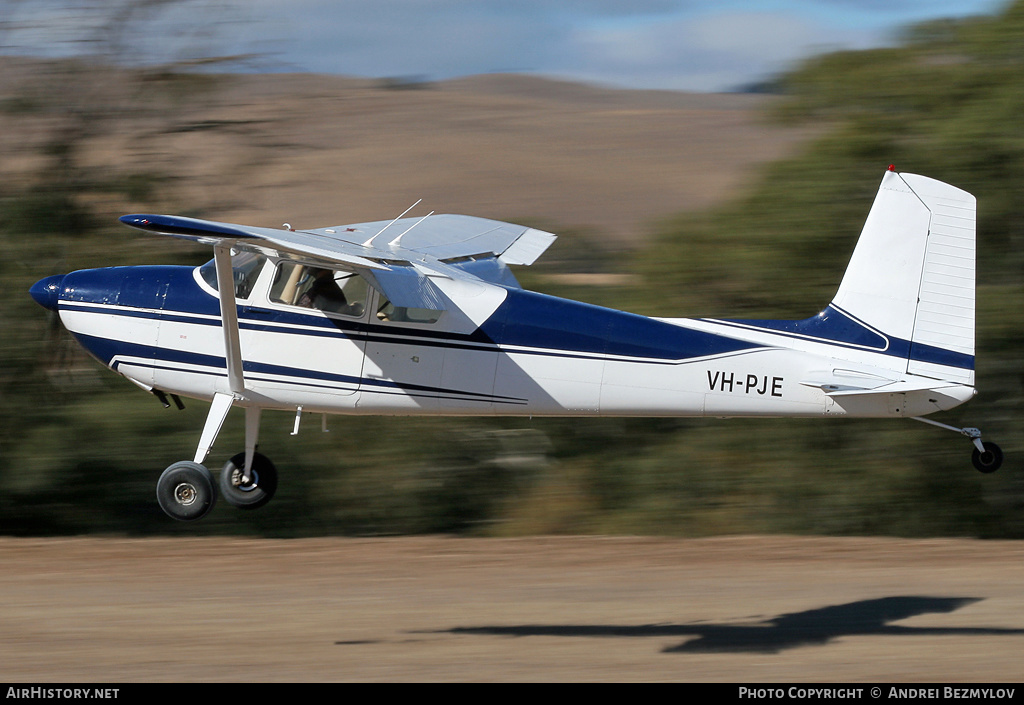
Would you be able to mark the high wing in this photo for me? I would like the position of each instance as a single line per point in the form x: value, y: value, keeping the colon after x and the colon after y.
x: 392, y: 253
x: 382, y: 246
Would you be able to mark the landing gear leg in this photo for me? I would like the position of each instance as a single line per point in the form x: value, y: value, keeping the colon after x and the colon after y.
x: 249, y: 479
x: 248, y: 489
x: 987, y: 456
x: 185, y: 490
x: 214, y: 420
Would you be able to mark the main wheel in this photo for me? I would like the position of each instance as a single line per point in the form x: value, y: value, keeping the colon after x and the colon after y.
x: 257, y: 491
x: 990, y: 460
x: 185, y: 491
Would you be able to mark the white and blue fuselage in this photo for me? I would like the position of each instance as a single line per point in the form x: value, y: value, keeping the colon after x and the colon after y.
x: 502, y: 351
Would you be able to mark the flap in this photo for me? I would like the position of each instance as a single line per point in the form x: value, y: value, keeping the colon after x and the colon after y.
x: 407, y: 287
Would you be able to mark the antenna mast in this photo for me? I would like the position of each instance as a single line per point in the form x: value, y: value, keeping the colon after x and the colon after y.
x: 367, y: 243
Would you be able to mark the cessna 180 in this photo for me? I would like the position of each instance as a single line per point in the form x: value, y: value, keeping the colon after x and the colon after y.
x: 424, y: 316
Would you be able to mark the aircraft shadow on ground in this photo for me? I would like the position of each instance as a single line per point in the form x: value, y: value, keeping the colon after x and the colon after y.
x: 814, y: 627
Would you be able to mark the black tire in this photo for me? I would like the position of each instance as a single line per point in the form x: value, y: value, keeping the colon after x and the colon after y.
x: 990, y: 460
x: 185, y: 491
x: 258, y: 491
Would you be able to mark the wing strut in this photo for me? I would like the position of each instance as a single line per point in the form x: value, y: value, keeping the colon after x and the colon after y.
x: 222, y: 403
x: 229, y: 317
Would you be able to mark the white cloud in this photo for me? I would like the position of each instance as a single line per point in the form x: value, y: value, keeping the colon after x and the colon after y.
x: 678, y: 44
x: 710, y: 52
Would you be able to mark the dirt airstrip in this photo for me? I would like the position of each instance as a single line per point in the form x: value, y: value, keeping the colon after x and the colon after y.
x: 740, y: 609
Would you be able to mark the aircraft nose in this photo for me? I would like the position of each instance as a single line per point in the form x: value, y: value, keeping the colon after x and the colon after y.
x: 46, y: 291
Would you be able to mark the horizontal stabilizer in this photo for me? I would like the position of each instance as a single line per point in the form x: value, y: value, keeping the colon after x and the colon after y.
x: 848, y: 386
x: 838, y: 380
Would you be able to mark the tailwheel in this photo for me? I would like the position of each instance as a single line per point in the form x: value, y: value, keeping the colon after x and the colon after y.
x: 987, y: 456
x: 185, y: 491
x: 250, y: 492
x: 989, y: 459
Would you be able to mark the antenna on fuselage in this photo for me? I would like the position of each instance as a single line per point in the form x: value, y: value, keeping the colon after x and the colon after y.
x: 394, y: 243
x: 367, y: 243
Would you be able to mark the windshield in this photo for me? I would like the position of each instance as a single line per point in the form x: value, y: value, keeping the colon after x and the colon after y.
x: 246, y: 266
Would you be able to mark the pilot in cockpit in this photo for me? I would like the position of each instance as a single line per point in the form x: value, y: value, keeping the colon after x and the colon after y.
x: 324, y: 293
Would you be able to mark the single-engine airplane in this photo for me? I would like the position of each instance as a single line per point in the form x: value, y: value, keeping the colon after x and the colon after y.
x: 424, y: 316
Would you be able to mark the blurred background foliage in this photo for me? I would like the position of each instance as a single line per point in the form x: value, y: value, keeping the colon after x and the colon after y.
x: 81, y: 449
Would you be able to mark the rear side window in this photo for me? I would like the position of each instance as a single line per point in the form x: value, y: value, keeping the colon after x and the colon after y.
x: 390, y: 313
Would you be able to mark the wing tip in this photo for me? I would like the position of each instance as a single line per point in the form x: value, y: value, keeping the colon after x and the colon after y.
x: 181, y: 225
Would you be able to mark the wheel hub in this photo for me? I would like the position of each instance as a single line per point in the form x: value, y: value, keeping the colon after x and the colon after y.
x: 238, y: 477
x: 185, y: 493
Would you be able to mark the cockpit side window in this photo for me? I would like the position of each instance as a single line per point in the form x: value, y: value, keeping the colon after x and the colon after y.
x: 332, y: 291
x: 247, y: 267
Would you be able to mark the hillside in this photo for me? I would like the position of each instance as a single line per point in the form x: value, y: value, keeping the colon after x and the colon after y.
x: 316, y: 150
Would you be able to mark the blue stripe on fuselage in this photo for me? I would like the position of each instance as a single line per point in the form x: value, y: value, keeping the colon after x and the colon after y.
x: 106, y: 350
x: 533, y: 320
x: 831, y: 325
x: 837, y: 327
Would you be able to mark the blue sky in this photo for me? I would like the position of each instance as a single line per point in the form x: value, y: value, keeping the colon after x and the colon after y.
x: 665, y: 44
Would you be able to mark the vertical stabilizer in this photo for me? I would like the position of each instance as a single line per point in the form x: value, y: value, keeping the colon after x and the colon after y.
x: 911, y: 276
